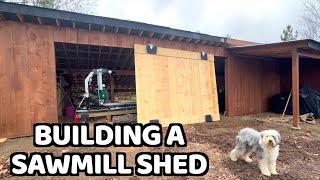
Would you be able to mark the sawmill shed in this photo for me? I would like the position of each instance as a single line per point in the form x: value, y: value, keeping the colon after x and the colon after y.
x: 186, y: 77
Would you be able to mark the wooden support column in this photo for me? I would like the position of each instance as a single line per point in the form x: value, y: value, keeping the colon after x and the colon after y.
x: 112, y: 86
x: 295, y: 89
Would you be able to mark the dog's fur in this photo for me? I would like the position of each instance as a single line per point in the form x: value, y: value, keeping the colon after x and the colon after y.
x: 265, y: 144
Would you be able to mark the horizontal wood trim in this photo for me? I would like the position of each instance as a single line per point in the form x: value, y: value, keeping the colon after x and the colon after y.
x: 111, y: 113
x: 85, y: 71
x: 142, y: 49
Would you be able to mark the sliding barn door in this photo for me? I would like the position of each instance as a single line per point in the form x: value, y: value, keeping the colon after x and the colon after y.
x: 175, y: 86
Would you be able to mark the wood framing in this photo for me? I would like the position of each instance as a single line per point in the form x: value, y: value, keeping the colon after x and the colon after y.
x: 111, y: 113
x: 295, y: 88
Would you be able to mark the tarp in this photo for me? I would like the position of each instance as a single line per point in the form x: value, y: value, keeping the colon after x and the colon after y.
x: 309, y: 102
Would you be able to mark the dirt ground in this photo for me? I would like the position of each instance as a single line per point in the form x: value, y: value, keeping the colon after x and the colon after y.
x: 299, y: 150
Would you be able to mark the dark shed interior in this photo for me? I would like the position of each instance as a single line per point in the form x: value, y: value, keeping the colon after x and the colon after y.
x: 75, y: 61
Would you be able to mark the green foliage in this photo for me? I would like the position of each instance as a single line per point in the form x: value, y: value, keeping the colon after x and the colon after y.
x: 81, y: 6
x: 288, y: 34
x: 45, y: 3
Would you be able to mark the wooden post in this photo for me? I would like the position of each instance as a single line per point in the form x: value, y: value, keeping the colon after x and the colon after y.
x: 112, y: 88
x: 295, y: 89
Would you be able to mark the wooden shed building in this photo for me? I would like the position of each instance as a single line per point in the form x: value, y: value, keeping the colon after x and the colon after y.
x: 43, y: 48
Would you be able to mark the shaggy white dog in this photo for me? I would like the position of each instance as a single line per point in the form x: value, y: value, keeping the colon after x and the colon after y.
x: 265, y: 144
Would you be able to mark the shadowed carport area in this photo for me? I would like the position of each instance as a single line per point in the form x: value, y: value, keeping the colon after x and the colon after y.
x: 294, y: 51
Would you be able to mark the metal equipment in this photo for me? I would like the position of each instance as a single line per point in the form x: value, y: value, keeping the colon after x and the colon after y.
x: 103, y: 109
x: 102, y: 94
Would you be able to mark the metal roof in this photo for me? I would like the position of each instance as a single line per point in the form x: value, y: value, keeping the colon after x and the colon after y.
x: 45, y: 16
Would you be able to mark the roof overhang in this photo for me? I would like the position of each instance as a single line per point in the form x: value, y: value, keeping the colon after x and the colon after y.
x: 306, y: 48
x: 44, y: 16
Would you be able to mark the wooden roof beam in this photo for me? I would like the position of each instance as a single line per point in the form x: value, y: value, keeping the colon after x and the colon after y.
x: 282, y: 47
x: 141, y: 33
x: 57, y: 23
x: 86, y: 71
x: 308, y: 55
x: 180, y: 39
x: 151, y: 34
x: 39, y: 20
x: 20, y: 17
x: 204, y: 42
x: 197, y: 41
x: 91, y: 52
x: 211, y: 43
x: 162, y: 36
x: 172, y: 37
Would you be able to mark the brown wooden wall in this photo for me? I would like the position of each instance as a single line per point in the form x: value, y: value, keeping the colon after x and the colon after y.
x: 28, y: 78
x: 80, y: 36
x: 309, y: 74
x: 28, y: 72
x: 249, y: 84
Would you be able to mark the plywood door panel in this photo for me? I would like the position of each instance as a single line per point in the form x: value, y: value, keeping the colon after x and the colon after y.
x: 175, y: 86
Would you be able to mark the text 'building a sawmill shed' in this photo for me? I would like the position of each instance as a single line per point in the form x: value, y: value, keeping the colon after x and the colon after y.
x: 159, y: 73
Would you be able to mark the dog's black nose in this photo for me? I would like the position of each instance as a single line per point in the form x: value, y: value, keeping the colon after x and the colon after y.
x: 270, y: 141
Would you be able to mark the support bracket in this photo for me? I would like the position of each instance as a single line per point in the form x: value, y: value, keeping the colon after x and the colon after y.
x: 204, y: 55
x: 208, y: 118
x: 151, y: 49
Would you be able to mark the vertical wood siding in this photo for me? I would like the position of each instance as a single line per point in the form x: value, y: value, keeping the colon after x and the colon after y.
x: 175, y: 86
x: 28, y: 78
x: 28, y: 70
x: 250, y: 83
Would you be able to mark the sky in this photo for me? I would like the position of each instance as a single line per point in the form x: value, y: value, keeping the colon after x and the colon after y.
x: 254, y: 20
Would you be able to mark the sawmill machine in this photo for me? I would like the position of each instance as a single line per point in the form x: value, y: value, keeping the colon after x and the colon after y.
x: 103, y: 107
x: 102, y: 93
